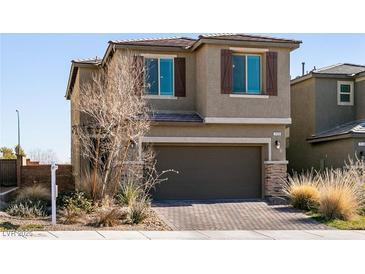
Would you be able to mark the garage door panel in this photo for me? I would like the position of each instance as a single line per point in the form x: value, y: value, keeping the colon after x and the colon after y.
x: 209, y: 172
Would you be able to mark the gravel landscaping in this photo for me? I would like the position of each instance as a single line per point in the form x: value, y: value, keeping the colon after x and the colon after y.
x: 7, y: 222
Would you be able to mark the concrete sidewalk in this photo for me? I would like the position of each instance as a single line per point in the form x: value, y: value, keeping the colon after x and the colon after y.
x: 188, y: 235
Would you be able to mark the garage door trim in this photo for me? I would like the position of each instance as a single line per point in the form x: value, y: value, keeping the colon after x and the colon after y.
x: 211, y: 140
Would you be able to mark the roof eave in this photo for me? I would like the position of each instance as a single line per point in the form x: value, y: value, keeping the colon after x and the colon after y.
x: 75, y: 65
x: 320, y: 75
x: 198, y: 43
x: 313, y: 140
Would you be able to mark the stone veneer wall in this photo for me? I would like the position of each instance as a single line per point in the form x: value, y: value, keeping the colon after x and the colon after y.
x: 275, y: 173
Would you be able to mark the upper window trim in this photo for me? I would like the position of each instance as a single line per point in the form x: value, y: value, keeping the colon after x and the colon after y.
x: 158, y: 57
x: 351, y: 84
x: 246, y: 78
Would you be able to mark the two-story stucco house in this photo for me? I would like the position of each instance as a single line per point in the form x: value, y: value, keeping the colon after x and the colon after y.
x: 328, y: 112
x: 221, y: 106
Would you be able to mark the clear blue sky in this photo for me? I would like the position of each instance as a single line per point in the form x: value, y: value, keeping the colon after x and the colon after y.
x: 35, y: 67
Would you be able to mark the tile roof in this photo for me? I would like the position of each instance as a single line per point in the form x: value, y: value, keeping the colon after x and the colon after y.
x: 342, y: 68
x: 161, y: 116
x: 247, y: 37
x: 183, y: 42
x: 186, y: 42
x: 357, y: 127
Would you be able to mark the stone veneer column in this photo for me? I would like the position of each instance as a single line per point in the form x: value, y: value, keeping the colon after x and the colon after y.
x: 275, y: 175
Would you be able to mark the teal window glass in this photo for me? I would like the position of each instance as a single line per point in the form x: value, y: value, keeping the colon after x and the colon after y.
x: 345, y: 98
x: 151, y: 76
x: 166, y: 77
x: 253, y: 74
x: 345, y: 88
x: 238, y: 74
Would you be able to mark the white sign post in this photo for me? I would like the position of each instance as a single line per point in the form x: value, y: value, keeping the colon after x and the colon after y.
x: 54, y: 167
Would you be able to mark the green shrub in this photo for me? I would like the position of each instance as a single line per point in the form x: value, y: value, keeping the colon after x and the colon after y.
x: 74, y: 201
x: 138, y: 211
x: 27, y: 209
x: 129, y: 193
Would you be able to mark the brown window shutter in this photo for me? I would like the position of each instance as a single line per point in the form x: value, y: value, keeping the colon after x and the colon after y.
x: 138, y: 62
x: 272, y: 73
x: 226, y: 71
x: 180, y: 77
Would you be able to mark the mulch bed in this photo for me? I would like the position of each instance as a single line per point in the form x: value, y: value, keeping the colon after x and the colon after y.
x: 7, y: 222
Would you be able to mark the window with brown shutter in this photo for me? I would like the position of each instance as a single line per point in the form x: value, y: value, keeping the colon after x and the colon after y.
x: 272, y: 73
x: 226, y: 71
x: 180, y: 77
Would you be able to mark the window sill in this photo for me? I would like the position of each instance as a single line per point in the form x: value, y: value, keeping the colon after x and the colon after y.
x: 260, y: 96
x: 159, y: 97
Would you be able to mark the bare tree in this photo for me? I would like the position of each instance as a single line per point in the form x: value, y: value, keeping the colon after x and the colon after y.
x: 43, y: 156
x: 114, y: 119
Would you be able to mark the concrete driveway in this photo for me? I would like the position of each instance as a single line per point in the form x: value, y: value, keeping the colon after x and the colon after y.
x: 233, y: 215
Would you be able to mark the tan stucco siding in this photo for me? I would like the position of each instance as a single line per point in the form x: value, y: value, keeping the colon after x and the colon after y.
x: 201, y: 81
x: 226, y: 131
x: 186, y: 103
x: 328, y: 113
x: 84, y: 75
x: 223, y: 105
x: 303, y: 122
x: 360, y: 99
x: 331, y: 154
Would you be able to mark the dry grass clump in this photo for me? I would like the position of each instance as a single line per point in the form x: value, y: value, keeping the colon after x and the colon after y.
x: 302, y: 191
x: 34, y: 193
x: 341, y: 194
x: 70, y: 215
x: 108, y: 217
x: 138, y: 211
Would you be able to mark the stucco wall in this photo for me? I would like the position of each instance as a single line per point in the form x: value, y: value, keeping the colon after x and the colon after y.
x: 186, y: 103
x: 238, y: 131
x: 222, y: 105
x: 328, y: 113
x: 303, y: 123
x: 84, y: 75
x: 360, y: 99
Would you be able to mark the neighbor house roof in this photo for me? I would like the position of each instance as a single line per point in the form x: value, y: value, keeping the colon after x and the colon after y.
x: 343, y: 68
x: 353, y: 127
x: 161, y: 116
x: 338, y: 70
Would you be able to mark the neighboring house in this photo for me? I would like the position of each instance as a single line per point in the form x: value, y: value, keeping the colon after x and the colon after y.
x: 328, y: 112
x: 222, y: 104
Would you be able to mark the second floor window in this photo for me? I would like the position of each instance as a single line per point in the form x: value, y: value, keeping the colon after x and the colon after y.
x: 159, y: 77
x: 345, y: 93
x: 246, y: 74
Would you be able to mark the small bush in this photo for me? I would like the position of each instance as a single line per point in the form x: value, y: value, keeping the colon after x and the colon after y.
x: 70, y: 215
x: 138, y: 211
x: 302, y: 191
x: 129, y: 194
x: 27, y: 209
x: 75, y: 200
x: 341, y: 194
x: 108, y: 217
x: 34, y: 193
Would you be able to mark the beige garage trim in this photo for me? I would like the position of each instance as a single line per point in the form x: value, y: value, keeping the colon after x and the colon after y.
x: 211, y: 140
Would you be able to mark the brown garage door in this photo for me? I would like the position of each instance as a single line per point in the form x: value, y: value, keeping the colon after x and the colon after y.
x: 209, y: 172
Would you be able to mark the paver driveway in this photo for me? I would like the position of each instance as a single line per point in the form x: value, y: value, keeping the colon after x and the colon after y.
x: 233, y: 215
